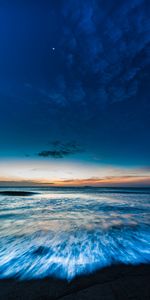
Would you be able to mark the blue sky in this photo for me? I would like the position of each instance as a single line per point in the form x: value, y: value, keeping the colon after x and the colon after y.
x: 74, y: 86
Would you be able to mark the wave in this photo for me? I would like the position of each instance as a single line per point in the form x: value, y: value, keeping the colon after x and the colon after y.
x: 68, y: 254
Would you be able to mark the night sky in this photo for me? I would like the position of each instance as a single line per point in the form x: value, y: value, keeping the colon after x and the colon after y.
x: 74, y: 92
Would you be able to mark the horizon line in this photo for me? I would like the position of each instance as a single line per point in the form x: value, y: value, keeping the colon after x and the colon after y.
x: 76, y: 186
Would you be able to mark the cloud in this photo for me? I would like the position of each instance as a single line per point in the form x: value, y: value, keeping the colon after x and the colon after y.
x: 105, y: 50
x: 102, y: 57
x: 93, y: 88
x: 108, y: 181
x: 61, y: 150
x: 21, y: 183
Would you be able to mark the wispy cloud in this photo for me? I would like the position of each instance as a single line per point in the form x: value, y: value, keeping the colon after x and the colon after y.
x: 108, y: 181
x: 105, y: 53
x: 61, y: 150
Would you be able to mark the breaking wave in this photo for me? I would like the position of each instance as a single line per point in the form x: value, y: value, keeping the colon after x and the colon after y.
x: 67, y: 255
x: 68, y: 232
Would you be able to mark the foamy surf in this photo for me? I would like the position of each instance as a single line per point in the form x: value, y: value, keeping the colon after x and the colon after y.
x: 69, y: 232
x: 67, y: 255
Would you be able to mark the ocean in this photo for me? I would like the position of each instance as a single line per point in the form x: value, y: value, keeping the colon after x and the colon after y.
x: 66, y: 232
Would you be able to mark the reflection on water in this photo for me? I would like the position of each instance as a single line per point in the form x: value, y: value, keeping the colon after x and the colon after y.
x: 65, y: 232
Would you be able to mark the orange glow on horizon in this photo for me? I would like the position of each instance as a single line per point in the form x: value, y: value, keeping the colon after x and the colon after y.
x: 99, y: 182
x: 108, y: 181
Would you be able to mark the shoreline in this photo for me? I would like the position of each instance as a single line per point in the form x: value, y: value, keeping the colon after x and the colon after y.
x: 115, y: 282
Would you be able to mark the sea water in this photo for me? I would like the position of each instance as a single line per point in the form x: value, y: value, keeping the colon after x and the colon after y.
x: 65, y: 232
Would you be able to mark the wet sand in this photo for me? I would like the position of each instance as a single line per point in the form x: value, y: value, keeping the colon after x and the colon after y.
x: 112, y: 283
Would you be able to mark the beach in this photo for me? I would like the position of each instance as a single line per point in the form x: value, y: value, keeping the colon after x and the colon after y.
x: 75, y: 150
x: 115, y: 283
x: 71, y: 243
